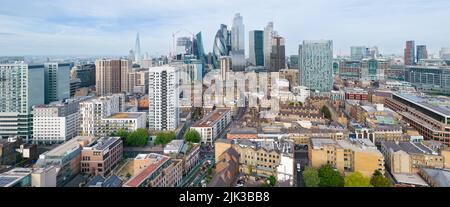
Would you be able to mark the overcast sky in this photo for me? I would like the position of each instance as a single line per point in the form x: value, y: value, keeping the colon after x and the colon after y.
x: 109, y: 27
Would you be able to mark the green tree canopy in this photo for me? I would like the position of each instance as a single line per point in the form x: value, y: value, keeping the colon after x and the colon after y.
x: 137, y: 138
x: 192, y: 136
x: 329, y: 177
x: 326, y: 112
x: 378, y: 180
x: 121, y: 133
x: 311, y: 177
x: 356, y: 179
x: 164, y: 138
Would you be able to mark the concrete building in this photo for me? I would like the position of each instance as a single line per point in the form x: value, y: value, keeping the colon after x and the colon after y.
x: 189, y: 154
x: 350, y: 69
x: 212, y: 125
x: 94, y: 110
x: 373, y: 69
x: 66, y: 158
x: 430, y: 116
x: 112, y: 76
x: 22, y: 87
x: 101, y: 156
x: 409, y: 54
x: 8, y: 154
x: 128, y: 121
x: 56, y: 122
x: 44, y: 177
x: 433, y: 79
x: 152, y: 170
x: 163, y: 96
x: 346, y: 155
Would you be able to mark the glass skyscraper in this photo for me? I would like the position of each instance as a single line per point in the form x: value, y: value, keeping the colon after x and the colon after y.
x: 238, y: 44
x: 222, y: 44
x: 256, y: 47
x: 268, y: 40
x: 316, y: 65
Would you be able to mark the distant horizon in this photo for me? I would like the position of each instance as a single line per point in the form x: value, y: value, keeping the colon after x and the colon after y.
x: 109, y: 27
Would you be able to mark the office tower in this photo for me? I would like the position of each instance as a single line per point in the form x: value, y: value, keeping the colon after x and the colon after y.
x: 409, y: 53
x: 268, y: 40
x: 138, y: 81
x: 422, y: 52
x: 137, y: 50
x: 238, y: 44
x: 75, y: 84
x: 222, y: 44
x: 21, y: 88
x: 94, y: 110
x: 199, y: 51
x: 277, y: 56
x: 444, y: 53
x: 432, y: 79
x: 293, y: 62
x: 225, y: 65
x: 316, y: 65
x: 112, y: 76
x: 358, y: 52
x: 374, y: 53
x: 131, y: 55
x: 56, y: 122
x: 350, y: 69
x: 163, y: 95
x: 373, y: 69
x: 184, y: 46
x: 256, y: 47
x: 57, y: 81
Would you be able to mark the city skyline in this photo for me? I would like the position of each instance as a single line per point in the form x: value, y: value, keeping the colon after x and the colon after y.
x: 97, y: 28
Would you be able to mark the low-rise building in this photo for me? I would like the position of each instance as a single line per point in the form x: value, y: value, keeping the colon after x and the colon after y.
x: 436, y: 177
x: 17, y: 177
x: 66, y: 158
x: 101, y: 156
x: 152, y: 170
x: 212, y: 125
x: 188, y: 153
x: 346, y: 155
x: 128, y: 121
x: 226, y: 169
x: 44, y: 177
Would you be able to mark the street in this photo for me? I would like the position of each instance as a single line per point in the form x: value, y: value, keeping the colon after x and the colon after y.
x: 301, y: 156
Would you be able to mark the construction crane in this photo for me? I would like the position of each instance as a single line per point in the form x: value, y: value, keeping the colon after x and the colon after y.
x: 173, y: 39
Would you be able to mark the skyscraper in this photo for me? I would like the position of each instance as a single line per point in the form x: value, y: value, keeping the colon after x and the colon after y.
x: 199, y: 51
x: 112, y: 76
x: 137, y: 50
x: 277, y: 56
x: 57, y: 81
x: 316, y: 65
x: 268, y: 40
x: 422, y: 52
x: 256, y: 47
x: 163, y: 113
x: 444, y: 53
x: 238, y: 44
x: 409, y: 54
x: 184, y: 46
x: 222, y: 44
x: 357, y: 52
x: 22, y: 87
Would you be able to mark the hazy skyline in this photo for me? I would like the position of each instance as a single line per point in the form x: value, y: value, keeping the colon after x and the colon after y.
x: 100, y: 27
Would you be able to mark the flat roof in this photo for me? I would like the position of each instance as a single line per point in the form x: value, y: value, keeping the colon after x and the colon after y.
x: 102, y: 143
x: 437, y: 104
x: 413, y: 179
x: 440, y: 176
x: 409, y: 147
x: 126, y: 115
x: 70, y: 145
x: 211, y: 118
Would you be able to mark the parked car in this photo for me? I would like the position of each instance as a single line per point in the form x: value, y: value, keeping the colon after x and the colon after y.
x: 299, y: 167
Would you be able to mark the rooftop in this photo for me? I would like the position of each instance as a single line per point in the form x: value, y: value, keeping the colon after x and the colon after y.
x: 126, y: 115
x: 438, y: 104
x: 409, y: 147
x: 211, y: 118
x: 149, y: 170
x: 68, y: 146
x: 11, y: 177
x: 412, y: 179
x: 102, y: 143
x: 440, y: 176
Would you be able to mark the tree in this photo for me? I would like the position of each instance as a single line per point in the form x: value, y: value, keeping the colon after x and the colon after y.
x: 326, y: 112
x: 356, y: 179
x: 329, y: 177
x: 121, y: 133
x: 137, y: 138
x: 164, y: 138
x: 192, y: 136
x: 311, y: 177
x: 270, y: 182
x: 378, y: 180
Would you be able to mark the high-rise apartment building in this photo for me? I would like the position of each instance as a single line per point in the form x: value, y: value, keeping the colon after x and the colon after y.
x: 277, y: 56
x: 422, y: 52
x: 256, y: 47
x: 112, y: 76
x: 163, y: 98
x: 316, y: 65
x: 21, y: 87
x: 409, y: 53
